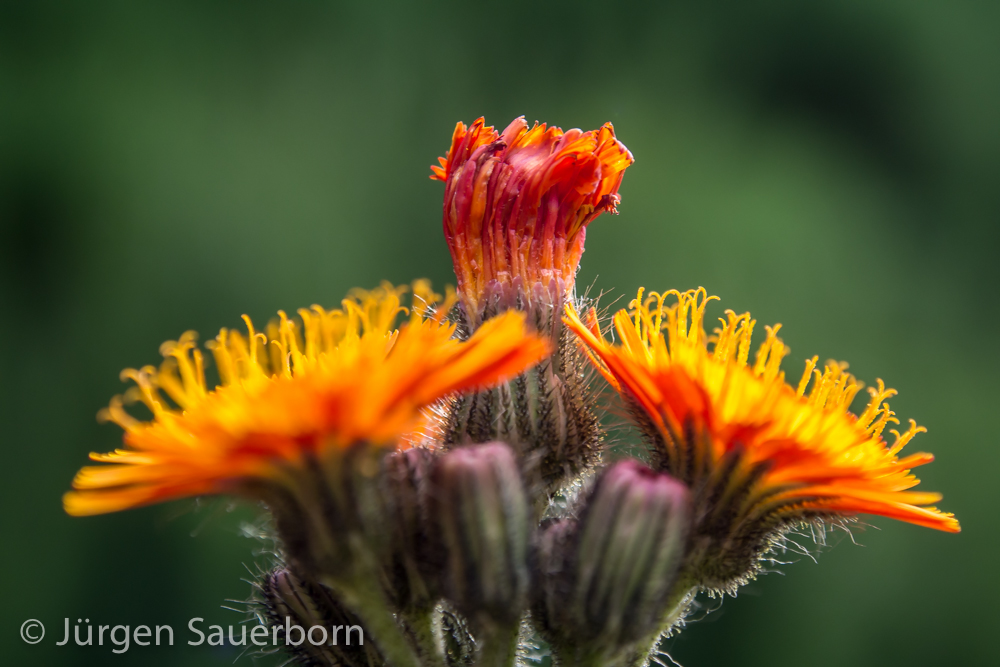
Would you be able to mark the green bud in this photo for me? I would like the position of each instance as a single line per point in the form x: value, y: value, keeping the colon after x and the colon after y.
x: 332, y: 523
x: 333, y: 515
x: 606, y: 580
x: 546, y: 414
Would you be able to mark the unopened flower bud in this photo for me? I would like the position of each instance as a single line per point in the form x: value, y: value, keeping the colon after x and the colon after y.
x: 478, y: 500
x: 298, y: 608
x: 605, y: 581
x: 412, y: 555
x: 545, y: 414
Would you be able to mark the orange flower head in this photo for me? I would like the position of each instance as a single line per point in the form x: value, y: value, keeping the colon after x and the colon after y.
x: 517, y: 205
x: 760, y: 455
x: 297, y: 395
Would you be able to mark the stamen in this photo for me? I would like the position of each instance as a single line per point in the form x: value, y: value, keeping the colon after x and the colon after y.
x: 637, y: 304
x: 886, y: 416
x: 806, y: 375
x: 902, y: 440
x: 878, y: 395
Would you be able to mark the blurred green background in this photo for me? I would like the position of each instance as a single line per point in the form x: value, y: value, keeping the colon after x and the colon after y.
x: 832, y: 166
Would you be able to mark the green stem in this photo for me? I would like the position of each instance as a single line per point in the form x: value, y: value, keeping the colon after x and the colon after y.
x: 680, y: 599
x: 363, y: 594
x: 589, y: 661
x: 426, y: 631
x: 497, y: 646
x: 571, y: 655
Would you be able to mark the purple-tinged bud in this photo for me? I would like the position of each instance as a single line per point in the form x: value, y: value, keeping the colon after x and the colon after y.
x: 606, y: 580
x: 413, y: 556
x: 296, y: 605
x: 478, y: 502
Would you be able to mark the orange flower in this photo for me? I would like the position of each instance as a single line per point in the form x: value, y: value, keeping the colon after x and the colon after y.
x: 759, y: 454
x: 517, y: 204
x: 306, y: 390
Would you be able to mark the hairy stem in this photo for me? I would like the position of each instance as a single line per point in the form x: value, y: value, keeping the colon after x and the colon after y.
x: 427, y: 633
x: 362, y: 593
x: 497, y: 646
x: 680, y: 600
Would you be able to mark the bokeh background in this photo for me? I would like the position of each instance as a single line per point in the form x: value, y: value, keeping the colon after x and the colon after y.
x: 832, y: 166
